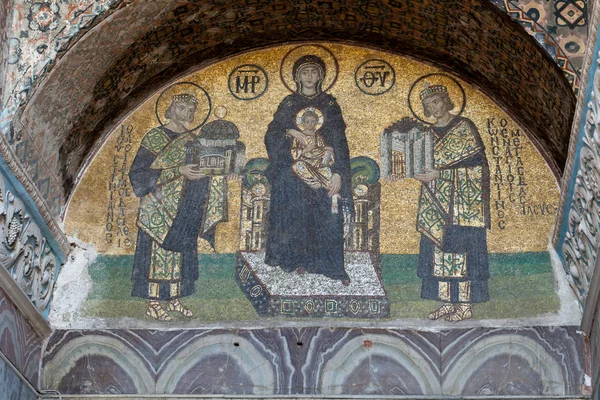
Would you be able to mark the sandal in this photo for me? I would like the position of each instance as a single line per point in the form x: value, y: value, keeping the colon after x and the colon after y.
x: 445, y: 309
x: 175, y: 305
x: 155, y: 310
x: 463, y: 311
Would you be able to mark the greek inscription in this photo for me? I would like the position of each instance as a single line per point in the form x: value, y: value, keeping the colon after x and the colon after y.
x: 509, y: 185
x: 248, y: 82
x: 375, y: 77
x: 116, y: 230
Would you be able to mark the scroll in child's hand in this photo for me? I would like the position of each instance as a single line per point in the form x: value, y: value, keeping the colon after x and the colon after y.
x: 334, y: 203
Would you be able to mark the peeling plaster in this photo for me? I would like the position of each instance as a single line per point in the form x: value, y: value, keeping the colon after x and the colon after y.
x: 73, y: 285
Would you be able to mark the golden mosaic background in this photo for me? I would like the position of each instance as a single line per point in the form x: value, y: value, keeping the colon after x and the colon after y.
x: 366, y: 117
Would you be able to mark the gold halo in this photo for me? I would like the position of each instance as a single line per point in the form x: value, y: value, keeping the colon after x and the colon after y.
x: 202, y: 110
x: 287, y: 64
x: 455, y: 92
x: 299, y: 116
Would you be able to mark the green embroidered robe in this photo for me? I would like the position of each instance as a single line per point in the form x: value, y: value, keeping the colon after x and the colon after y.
x: 453, y: 215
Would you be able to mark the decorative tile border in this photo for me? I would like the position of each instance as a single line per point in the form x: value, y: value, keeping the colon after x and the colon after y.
x: 516, y: 10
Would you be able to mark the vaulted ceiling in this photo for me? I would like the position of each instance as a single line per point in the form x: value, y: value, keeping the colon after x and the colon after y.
x: 139, y: 46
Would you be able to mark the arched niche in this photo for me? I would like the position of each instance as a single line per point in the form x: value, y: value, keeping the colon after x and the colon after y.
x: 118, y: 63
x: 382, y: 243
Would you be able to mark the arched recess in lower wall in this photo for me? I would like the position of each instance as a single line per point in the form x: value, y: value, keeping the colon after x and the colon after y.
x: 116, y: 65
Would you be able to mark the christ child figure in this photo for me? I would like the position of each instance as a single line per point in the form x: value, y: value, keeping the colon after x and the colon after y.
x: 312, y: 157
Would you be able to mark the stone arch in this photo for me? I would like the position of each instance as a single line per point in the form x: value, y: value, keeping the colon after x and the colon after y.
x: 248, y: 358
x: 143, y: 46
x: 65, y: 359
x: 340, y: 366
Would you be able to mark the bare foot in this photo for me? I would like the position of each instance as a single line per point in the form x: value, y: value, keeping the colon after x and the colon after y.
x: 346, y: 282
x: 300, y: 271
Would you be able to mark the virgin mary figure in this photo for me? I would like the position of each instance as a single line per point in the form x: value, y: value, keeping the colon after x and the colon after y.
x: 305, y: 221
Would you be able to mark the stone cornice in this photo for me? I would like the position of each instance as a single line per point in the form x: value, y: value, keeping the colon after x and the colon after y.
x: 591, y: 303
x: 22, y: 302
x: 19, y: 172
x: 580, y: 247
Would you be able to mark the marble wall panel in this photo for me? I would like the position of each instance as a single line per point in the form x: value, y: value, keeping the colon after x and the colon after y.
x: 153, y: 397
x: 317, y: 361
x: 12, y: 387
x: 595, y: 350
x: 528, y: 361
x: 19, y: 342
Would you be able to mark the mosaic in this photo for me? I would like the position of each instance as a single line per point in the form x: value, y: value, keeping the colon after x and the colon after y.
x: 317, y: 180
x: 560, y: 27
x: 56, y: 108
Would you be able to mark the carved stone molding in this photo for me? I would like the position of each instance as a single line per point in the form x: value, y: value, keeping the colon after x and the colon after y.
x: 25, y: 306
x: 24, y: 251
x: 16, y: 168
x: 589, y: 58
x: 580, y: 249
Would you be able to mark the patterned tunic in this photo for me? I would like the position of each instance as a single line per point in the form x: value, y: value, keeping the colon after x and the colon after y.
x: 173, y: 212
x: 453, y: 216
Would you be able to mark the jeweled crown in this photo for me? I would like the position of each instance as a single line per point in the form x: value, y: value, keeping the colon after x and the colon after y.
x: 188, y: 98
x: 429, y: 89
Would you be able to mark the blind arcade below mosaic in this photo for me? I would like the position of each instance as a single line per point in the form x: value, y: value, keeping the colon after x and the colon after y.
x: 317, y: 180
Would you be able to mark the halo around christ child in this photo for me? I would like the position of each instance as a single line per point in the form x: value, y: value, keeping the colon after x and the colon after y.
x: 189, y: 90
x: 432, y: 82
x: 300, y: 115
x: 287, y: 63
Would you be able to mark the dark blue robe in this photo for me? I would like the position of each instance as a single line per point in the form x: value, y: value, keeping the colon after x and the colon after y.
x: 183, y: 235
x: 302, y: 230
